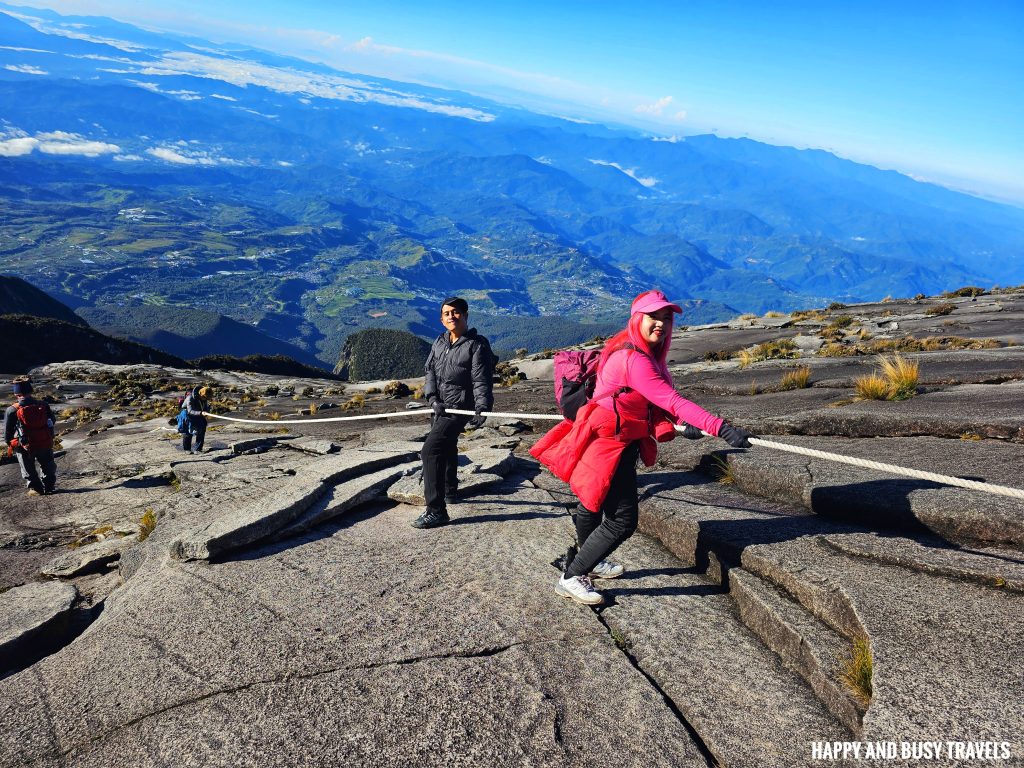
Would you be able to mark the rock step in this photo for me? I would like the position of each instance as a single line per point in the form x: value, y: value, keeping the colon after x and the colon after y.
x: 992, y: 567
x: 803, y: 618
x: 241, y: 527
x: 343, y: 497
x: 683, y: 631
x: 33, y: 614
x: 867, y: 496
x: 940, y: 644
x: 805, y: 644
x: 932, y: 639
x: 89, y: 558
x: 409, y: 489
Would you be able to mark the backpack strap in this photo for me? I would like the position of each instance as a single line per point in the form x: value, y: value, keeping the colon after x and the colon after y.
x: 631, y: 347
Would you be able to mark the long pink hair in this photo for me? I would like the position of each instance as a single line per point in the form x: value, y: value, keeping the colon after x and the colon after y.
x: 631, y: 334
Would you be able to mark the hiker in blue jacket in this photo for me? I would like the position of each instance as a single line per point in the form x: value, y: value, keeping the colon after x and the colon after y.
x: 28, y: 435
x: 194, y: 405
x: 459, y: 371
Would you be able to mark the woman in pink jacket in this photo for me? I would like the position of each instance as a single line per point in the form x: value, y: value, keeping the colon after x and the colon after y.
x: 634, y: 404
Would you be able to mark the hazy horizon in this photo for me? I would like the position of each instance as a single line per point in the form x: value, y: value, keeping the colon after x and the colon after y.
x: 936, y: 97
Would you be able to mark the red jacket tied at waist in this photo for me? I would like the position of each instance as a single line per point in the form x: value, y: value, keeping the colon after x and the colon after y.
x: 586, y: 453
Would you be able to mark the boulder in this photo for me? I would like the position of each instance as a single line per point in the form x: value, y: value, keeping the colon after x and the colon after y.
x: 30, y: 613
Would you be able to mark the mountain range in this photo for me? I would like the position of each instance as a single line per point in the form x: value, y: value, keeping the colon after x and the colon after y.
x: 140, y: 169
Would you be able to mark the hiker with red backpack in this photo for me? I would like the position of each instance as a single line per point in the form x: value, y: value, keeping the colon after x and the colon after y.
x: 632, y: 406
x: 28, y: 433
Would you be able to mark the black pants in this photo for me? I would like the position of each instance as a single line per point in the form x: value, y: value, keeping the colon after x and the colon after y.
x: 599, y: 534
x: 441, y: 460
x: 197, y: 429
x: 27, y: 462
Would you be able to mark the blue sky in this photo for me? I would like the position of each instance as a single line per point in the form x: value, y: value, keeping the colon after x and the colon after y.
x: 933, y: 89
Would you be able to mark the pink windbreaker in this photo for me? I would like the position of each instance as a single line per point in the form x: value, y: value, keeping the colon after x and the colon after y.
x: 649, y: 382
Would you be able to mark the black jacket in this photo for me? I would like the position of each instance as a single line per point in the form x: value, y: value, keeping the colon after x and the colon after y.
x: 459, y: 374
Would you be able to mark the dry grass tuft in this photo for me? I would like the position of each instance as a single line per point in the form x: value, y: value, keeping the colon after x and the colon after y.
x: 940, y: 309
x: 808, y: 314
x: 780, y: 349
x: 872, y: 387
x: 358, y: 401
x: 147, y: 524
x: 723, y: 470
x: 896, y: 380
x: 901, y: 375
x: 798, y: 378
x: 968, y: 291
x: 858, y: 670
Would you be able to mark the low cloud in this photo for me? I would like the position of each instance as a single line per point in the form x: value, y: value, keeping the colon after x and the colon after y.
x: 26, y: 69
x: 173, y: 156
x: 18, y: 147
x: 301, y: 84
x: 657, y: 108
x: 647, y: 181
x: 56, y: 143
x: 183, y: 154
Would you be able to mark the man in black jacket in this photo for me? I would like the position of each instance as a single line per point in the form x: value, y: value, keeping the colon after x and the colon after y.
x: 28, y: 434
x: 459, y: 371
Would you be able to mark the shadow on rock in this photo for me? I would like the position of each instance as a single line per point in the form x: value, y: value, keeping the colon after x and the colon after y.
x: 881, y: 506
x: 494, y: 518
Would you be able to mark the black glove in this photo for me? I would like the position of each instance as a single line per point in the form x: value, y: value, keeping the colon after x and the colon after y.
x: 477, y: 421
x: 735, y: 436
x: 690, y: 432
x: 438, y: 407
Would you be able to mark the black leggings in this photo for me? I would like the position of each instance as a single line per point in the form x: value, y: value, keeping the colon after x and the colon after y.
x: 599, y: 534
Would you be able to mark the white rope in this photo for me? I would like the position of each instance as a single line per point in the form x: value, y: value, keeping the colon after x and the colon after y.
x: 973, y: 485
x: 397, y: 414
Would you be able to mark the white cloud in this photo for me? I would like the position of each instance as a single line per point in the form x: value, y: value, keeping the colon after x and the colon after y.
x: 647, y: 181
x: 17, y: 147
x: 66, y: 30
x: 129, y: 158
x: 26, y: 69
x: 657, y: 108
x: 22, y: 50
x: 185, y: 155
x: 54, y: 143
x: 302, y: 84
x: 669, y: 139
x: 61, y: 143
x: 284, y: 163
x: 173, y: 156
x: 219, y: 96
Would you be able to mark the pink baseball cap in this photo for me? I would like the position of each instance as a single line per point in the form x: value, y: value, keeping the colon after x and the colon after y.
x: 652, y: 301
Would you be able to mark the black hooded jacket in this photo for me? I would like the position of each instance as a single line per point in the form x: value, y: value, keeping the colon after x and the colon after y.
x: 459, y: 374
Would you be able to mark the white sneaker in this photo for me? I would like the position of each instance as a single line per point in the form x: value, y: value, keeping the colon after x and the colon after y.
x: 607, y: 570
x: 580, y: 589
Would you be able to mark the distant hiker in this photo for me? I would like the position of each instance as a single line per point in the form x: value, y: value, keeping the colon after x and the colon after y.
x: 459, y: 371
x: 195, y: 425
x: 633, y: 407
x: 28, y: 432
